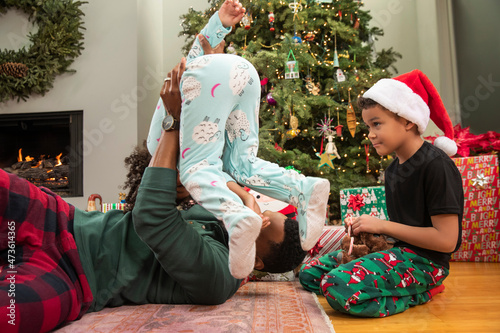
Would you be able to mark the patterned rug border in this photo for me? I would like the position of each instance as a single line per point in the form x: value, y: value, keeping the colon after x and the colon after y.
x: 257, y: 307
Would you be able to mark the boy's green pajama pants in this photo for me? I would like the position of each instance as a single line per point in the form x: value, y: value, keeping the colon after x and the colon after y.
x: 377, y: 285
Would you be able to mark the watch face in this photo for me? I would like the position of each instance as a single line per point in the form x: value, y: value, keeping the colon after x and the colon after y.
x: 168, y: 123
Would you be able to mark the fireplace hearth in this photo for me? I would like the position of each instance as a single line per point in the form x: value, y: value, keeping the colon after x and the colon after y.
x: 44, y: 149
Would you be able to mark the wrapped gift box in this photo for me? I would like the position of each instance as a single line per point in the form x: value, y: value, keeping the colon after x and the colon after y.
x: 363, y: 200
x: 480, y: 229
x: 329, y: 241
x: 106, y: 207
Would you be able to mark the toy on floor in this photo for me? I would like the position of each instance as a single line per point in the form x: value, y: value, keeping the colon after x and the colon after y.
x: 356, y: 246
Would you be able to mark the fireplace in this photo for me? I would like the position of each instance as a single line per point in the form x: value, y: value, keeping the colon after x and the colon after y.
x: 44, y: 148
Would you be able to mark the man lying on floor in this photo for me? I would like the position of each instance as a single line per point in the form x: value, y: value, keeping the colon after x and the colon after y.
x: 58, y: 262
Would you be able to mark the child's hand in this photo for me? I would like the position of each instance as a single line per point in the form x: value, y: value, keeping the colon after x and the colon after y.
x: 231, y: 12
x: 250, y: 202
x: 207, y: 48
x: 266, y: 222
x: 366, y: 223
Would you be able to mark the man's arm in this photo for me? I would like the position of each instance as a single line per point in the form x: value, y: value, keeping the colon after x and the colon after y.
x: 198, y: 264
x: 166, y: 154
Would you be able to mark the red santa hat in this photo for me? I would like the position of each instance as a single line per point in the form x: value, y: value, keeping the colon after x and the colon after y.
x: 414, y: 97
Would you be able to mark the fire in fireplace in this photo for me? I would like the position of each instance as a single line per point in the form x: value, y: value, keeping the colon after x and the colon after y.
x: 45, y: 171
x: 43, y: 148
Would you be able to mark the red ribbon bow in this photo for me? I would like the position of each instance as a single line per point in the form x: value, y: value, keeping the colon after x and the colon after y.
x: 315, y: 250
x: 356, y: 202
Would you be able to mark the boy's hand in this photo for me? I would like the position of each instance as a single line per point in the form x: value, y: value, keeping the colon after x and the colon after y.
x: 207, y: 48
x: 366, y: 223
x: 231, y: 12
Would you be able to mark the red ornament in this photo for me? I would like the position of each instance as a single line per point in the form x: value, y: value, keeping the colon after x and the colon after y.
x: 271, y: 21
x: 338, y: 128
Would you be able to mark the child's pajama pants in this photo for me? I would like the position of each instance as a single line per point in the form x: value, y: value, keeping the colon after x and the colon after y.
x: 377, y: 285
x: 219, y: 140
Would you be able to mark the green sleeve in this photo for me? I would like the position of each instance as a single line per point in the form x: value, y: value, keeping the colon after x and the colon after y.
x: 198, y: 263
x: 214, y: 32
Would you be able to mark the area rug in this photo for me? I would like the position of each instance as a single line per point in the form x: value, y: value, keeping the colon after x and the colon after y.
x: 256, y: 307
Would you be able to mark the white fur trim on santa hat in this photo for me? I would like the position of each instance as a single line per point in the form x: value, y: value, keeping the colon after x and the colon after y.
x: 397, y: 97
x: 446, y: 144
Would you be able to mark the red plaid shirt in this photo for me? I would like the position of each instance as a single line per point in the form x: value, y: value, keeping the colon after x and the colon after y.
x: 42, y: 282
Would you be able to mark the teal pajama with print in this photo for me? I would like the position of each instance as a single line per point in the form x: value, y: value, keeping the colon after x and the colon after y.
x: 377, y: 285
x: 219, y: 129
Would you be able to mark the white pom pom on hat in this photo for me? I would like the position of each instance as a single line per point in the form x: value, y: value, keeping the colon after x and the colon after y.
x: 413, y: 96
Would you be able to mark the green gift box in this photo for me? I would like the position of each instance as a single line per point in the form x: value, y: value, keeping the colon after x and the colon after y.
x: 363, y: 200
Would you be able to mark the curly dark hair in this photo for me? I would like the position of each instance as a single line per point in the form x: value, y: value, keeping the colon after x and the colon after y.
x: 136, y: 163
x: 287, y: 255
x: 366, y: 103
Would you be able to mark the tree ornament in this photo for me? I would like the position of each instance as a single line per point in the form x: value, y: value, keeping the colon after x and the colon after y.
x: 309, y: 37
x: 231, y: 49
x: 51, y: 51
x: 325, y: 159
x: 338, y: 128
x: 312, y: 87
x: 297, y: 39
x: 367, y: 152
x: 270, y: 99
x: 247, y: 21
x: 356, y: 23
x: 325, y: 126
x: 295, y: 7
x: 351, y: 118
x: 339, y: 75
x: 335, y: 56
x: 294, y: 124
x: 292, y: 67
x: 331, y: 149
x: 271, y: 21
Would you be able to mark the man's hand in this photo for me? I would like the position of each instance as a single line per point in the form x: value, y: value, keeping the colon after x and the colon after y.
x: 170, y: 93
x: 207, y: 48
x: 231, y: 12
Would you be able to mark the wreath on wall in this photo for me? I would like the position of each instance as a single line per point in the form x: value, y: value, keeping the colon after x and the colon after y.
x: 54, y: 47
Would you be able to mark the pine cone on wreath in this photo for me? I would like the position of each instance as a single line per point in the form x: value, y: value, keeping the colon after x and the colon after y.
x: 14, y: 69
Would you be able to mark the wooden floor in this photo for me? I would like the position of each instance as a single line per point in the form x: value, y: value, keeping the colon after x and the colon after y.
x: 470, y: 303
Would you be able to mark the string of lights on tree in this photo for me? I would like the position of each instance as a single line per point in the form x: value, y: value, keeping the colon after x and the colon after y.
x: 315, y: 58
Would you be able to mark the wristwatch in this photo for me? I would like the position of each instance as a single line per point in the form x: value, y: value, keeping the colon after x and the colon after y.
x: 169, y: 123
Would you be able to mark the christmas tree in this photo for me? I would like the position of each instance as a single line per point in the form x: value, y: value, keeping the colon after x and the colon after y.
x: 315, y: 58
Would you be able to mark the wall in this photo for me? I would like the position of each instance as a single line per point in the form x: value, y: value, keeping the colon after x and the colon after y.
x: 478, y: 51
x: 421, y: 32
x: 104, y: 87
x: 159, y: 50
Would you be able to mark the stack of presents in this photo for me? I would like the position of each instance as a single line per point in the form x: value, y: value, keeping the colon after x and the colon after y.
x: 480, y: 224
